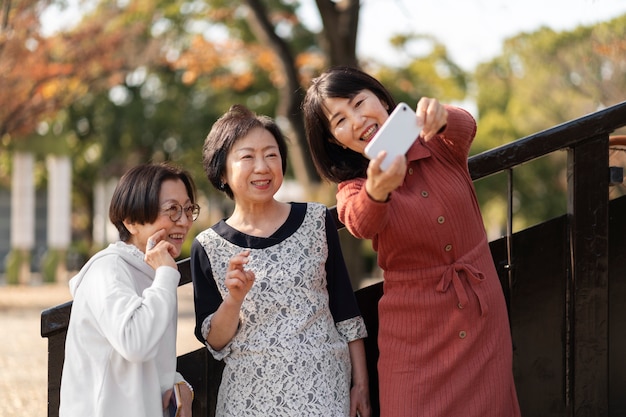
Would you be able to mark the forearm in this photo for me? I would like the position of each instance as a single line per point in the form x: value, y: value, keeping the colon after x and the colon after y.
x: 460, y: 131
x: 362, y: 216
x: 359, y: 393
x: 359, y: 363
x: 224, y: 323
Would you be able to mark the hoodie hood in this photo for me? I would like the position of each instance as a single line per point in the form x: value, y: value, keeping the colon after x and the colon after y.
x: 130, y: 253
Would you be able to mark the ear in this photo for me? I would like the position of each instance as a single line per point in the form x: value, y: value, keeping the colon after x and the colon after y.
x: 131, y: 227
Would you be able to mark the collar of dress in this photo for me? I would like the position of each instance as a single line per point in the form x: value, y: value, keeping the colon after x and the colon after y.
x: 418, y: 151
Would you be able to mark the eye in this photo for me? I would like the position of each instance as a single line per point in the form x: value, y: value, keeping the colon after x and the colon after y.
x: 359, y: 102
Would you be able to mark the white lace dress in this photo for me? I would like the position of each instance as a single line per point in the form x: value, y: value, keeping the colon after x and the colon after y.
x: 290, y: 355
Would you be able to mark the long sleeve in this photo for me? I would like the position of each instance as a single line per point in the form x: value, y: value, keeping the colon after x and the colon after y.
x: 207, y: 297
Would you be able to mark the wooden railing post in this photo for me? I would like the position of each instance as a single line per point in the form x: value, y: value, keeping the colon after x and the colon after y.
x: 588, y: 210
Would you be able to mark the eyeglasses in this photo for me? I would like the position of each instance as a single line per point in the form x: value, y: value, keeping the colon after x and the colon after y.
x: 175, y: 211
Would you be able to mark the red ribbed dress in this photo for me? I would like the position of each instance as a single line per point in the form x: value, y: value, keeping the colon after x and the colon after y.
x: 444, y: 337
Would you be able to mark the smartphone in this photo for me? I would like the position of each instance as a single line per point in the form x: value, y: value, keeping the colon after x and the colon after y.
x: 395, y: 136
x: 175, y: 401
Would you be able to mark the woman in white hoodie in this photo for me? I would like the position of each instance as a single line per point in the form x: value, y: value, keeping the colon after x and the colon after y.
x: 120, y: 350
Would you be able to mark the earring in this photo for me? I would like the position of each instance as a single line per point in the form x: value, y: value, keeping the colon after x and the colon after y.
x: 222, y: 185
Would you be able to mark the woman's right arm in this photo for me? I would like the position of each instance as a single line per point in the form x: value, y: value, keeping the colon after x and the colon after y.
x: 363, y: 216
x: 225, y: 321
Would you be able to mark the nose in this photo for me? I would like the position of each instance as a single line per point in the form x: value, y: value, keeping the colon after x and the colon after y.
x: 184, y: 220
x: 260, y: 165
x: 358, y: 120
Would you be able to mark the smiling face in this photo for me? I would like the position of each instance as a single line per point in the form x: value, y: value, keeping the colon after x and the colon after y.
x: 254, y: 169
x: 354, y: 122
x: 172, y: 191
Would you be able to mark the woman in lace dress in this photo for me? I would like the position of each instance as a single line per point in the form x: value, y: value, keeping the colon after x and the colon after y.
x: 120, y: 350
x: 444, y: 337
x: 272, y: 295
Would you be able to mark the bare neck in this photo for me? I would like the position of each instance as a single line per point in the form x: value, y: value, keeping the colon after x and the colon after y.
x: 259, y: 221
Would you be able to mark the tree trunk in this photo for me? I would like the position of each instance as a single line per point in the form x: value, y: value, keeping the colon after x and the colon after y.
x: 340, y: 20
x: 288, y: 113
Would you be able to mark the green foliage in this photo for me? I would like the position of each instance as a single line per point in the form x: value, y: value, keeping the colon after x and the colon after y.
x: 432, y: 74
x: 546, y: 78
x: 540, y: 80
x: 205, y: 57
x: 50, y: 264
x: 15, y: 263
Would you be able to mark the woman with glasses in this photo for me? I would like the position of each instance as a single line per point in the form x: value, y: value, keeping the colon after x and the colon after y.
x: 272, y: 295
x: 120, y: 350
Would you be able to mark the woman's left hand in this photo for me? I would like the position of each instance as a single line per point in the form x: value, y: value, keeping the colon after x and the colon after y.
x: 359, y: 402
x: 432, y: 116
x: 186, y: 400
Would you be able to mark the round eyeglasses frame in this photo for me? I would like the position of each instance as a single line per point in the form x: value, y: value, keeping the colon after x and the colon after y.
x: 175, y: 211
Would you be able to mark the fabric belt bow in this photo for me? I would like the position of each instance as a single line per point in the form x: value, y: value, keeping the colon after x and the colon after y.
x: 474, y: 279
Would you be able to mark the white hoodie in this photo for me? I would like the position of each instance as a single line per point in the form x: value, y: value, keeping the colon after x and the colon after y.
x: 120, y: 349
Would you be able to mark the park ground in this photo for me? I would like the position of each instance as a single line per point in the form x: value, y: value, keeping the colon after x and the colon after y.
x: 24, y: 353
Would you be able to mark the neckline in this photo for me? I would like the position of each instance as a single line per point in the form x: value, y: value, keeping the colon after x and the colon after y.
x: 289, y: 227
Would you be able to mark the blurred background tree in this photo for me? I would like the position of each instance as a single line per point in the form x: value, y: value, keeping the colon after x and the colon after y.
x: 540, y: 80
x: 140, y: 81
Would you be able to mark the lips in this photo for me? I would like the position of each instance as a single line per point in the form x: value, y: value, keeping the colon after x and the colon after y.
x: 369, y: 133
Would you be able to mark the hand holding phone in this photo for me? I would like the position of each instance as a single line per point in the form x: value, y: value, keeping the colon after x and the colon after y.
x: 175, y: 404
x: 395, y: 136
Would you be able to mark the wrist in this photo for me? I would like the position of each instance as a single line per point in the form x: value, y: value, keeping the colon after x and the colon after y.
x: 377, y: 198
x: 359, y: 384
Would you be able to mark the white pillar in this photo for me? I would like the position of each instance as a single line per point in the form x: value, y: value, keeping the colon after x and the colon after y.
x: 103, y: 231
x: 23, y: 209
x: 59, y: 202
x: 99, y: 218
x: 59, y: 210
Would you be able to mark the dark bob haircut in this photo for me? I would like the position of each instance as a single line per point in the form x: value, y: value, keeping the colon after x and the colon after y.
x: 233, y: 125
x: 136, y: 197
x: 332, y: 161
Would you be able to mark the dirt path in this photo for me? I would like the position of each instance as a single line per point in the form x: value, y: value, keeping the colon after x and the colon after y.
x: 24, y: 353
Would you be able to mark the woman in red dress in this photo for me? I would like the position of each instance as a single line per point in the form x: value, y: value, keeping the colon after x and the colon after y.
x: 444, y: 337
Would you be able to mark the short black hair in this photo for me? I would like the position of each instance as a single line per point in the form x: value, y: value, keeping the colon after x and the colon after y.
x: 136, y: 196
x: 233, y: 125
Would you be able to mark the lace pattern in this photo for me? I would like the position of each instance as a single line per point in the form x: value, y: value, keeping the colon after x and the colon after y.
x: 352, y: 329
x: 288, y: 357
